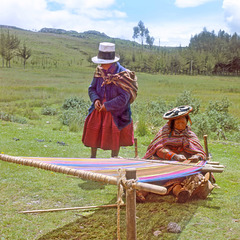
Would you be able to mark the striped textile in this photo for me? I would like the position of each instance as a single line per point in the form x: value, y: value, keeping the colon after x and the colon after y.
x: 146, y: 171
x: 179, y: 142
x: 126, y: 80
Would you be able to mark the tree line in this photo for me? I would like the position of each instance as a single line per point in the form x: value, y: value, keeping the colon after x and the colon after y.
x: 208, y: 53
x: 10, y: 47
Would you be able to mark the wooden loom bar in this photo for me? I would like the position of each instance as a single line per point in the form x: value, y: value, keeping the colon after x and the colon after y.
x: 82, y: 174
x: 71, y: 208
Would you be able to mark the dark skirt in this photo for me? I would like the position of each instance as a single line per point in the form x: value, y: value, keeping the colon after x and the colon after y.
x: 100, y: 131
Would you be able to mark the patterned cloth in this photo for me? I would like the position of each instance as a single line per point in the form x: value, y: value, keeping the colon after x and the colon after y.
x: 180, y: 142
x: 126, y: 80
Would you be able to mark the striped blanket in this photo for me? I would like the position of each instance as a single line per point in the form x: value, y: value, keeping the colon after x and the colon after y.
x: 147, y: 171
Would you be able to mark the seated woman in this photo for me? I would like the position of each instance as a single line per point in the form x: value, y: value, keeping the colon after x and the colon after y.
x: 176, y: 141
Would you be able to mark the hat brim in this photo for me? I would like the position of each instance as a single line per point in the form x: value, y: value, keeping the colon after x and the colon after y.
x: 177, y: 112
x: 104, y: 61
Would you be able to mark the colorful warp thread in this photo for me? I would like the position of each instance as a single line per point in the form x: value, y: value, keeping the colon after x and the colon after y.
x: 146, y: 171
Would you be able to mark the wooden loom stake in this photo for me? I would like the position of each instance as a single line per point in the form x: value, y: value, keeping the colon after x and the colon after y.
x: 136, y: 148
x: 206, y: 146
x: 131, y: 206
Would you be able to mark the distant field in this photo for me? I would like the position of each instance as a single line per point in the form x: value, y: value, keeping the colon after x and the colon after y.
x: 40, y: 87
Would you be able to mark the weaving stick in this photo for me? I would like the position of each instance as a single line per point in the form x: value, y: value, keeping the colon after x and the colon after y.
x: 71, y: 208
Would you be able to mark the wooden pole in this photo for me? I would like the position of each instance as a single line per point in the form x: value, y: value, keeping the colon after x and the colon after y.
x: 131, y: 206
x: 206, y: 146
x: 136, y: 148
x: 71, y: 208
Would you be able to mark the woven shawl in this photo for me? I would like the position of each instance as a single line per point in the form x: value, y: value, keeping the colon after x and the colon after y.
x: 127, y: 80
x: 186, y: 139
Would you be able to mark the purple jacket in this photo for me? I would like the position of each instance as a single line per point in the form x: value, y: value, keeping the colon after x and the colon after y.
x: 117, y: 99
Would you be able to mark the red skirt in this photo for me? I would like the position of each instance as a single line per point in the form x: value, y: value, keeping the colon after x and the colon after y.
x: 100, y: 131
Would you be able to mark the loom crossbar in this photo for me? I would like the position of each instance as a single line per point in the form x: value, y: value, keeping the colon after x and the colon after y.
x: 87, y: 175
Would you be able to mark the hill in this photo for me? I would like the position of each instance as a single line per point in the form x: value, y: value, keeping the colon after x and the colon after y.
x: 60, y: 48
x: 207, y: 54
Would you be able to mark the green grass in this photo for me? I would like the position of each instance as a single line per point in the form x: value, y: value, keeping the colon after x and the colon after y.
x: 25, y: 93
x: 26, y: 188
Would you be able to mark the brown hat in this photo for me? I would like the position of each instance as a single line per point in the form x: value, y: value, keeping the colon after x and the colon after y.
x: 177, y: 112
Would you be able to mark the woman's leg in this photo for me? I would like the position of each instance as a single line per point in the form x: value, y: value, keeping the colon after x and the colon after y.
x: 93, y: 152
x: 115, y: 153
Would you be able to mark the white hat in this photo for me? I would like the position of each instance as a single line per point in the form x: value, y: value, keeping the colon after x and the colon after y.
x: 177, y: 112
x: 106, y: 54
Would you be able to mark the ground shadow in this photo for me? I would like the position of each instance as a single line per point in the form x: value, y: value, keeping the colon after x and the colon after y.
x: 152, y: 219
x: 91, y: 185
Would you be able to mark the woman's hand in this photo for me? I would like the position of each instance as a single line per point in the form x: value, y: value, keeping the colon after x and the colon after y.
x: 179, y: 157
x: 195, y: 158
x: 103, y: 108
x: 97, y: 105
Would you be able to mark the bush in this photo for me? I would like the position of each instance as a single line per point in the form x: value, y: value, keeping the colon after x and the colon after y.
x: 201, y: 125
x: 215, y: 121
x: 75, y: 103
x: 12, y: 118
x: 49, y: 111
x: 142, y: 128
x: 75, y: 112
x: 186, y: 99
x: 219, y: 117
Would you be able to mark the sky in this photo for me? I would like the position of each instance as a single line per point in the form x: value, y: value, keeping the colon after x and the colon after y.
x: 170, y: 22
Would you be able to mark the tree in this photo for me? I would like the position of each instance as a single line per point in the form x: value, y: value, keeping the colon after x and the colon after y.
x: 2, y: 47
x: 150, y: 41
x: 140, y: 31
x: 9, y: 45
x: 24, y: 53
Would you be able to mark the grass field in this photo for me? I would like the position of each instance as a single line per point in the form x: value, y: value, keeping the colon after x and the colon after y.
x: 57, y: 70
x: 24, y: 92
x: 27, y: 188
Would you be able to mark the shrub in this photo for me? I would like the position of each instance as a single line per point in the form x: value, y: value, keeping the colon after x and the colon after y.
x: 201, y: 125
x: 142, y: 128
x: 219, y: 118
x: 74, y: 103
x: 219, y: 106
x: 12, y: 118
x: 49, y: 111
x: 75, y: 112
x: 186, y: 99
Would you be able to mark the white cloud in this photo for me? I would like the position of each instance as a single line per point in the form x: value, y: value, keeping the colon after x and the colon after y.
x: 78, y: 4
x: 232, y: 14
x: 190, y: 3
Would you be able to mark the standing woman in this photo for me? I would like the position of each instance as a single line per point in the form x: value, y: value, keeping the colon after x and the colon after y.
x: 109, y: 124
